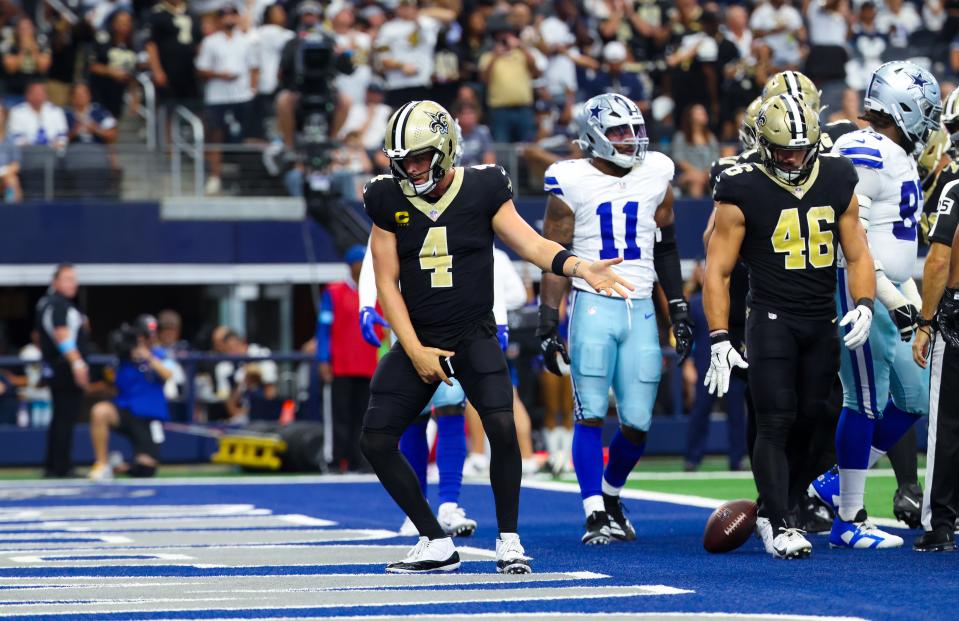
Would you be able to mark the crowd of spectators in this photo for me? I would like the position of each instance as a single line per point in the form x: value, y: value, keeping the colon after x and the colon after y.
x: 515, y: 69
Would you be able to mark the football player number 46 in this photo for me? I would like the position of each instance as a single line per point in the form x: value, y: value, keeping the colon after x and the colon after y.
x: 435, y: 256
x: 816, y: 251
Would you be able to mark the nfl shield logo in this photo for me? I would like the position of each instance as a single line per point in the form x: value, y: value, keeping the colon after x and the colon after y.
x: 434, y: 215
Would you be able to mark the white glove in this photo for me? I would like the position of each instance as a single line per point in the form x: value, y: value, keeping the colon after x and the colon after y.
x: 861, y: 319
x: 722, y: 358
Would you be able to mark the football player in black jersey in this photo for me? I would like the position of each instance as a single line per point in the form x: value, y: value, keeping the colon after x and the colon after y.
x: 432, y: 246
x: 784, y: 217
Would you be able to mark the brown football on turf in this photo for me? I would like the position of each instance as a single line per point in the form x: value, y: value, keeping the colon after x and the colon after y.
x: 729, y: 526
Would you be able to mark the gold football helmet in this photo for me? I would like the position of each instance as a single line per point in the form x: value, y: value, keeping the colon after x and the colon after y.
x: 796, y: 84
x: 931, y: 155
x: 747, y: 133
x: 416, y: 128
x: 788, y: 138
x: 950, y: 118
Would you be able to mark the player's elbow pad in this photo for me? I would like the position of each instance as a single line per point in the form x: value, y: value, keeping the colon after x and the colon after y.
x: 666, y: 261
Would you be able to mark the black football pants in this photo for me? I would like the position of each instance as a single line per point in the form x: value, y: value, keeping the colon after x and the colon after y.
x: 398, y: 395
x: 941, y: 498
x: 792, y: 367
x: 66, y: 411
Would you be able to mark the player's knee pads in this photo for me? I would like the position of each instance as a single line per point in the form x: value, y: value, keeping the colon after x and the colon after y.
x: 142, y: 471
x: 499, y: 428
x: 376, y: 444
x: 591, y: 379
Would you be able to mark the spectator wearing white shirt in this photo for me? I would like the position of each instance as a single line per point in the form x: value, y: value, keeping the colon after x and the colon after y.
x: 227, y: 62
x: 368, y: 119
x: 830, y: 26
x: 781, y: 26
x: 405, y: 48
x: 268, y: 42
x: 737, y: 30
x: 36, y: 121
x: 899, y: 20
x: 357, y: 44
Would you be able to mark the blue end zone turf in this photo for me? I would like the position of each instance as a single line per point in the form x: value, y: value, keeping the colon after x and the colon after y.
x: 894, y: 584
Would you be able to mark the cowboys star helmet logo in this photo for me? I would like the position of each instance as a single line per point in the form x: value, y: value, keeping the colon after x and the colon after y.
x: 439, y: 123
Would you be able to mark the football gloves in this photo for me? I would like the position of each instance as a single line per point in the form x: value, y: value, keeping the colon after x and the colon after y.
x: 682, y: 328
x: 722, y: 358
x: 859, y: 321
x: 550, y: 343
x: 369, y: 319
x: 906, y: 318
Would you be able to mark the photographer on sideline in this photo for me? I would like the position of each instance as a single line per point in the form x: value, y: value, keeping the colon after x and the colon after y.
x: 140, y: 405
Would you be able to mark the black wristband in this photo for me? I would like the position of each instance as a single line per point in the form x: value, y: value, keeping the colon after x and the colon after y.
x: 868, y: 303
x: 923, y: 322
x: 560, y: 260
x: 718, y: 336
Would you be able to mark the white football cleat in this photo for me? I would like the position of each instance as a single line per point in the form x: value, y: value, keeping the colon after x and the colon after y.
x: 861, y: 534
x: 453, y: 519
x: 100, y: 473
x: 764, y: 531
x: 510, y: 556
x: 428, y: 556
x: 791, y: 543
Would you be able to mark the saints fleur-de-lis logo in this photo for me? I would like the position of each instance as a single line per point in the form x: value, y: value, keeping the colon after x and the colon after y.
x: 439, y: 124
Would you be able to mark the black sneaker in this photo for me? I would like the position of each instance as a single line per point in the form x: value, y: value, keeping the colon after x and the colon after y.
x: 597, y: 529
x: 428, y: 556
x: 935, y: 541
x: 815, y: 515
x: 907, y: 505
x: 619, y: 525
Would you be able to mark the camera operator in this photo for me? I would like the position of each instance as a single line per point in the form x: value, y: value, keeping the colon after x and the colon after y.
x: 65, y: 343
x: 140, y: 405
x: 300, y: 75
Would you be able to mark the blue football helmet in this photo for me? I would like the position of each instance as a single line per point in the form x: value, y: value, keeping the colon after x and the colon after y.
x: 910, y: 95
x: 606, y: 112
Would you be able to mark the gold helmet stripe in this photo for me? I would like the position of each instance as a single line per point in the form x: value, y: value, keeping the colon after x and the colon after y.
x: 399, y: 129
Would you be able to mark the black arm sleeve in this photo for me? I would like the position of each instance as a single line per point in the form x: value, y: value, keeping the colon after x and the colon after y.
x: 666, y: 260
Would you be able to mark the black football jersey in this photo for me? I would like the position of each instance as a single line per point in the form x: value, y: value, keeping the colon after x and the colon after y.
x: 445, y: 249
x: 791, y: 234
x: 942, y: 202
x: 832, y: 131
x: 176, y: 34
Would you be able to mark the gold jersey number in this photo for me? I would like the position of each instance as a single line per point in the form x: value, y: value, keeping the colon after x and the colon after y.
x: 435, y: 256
x: 787, y: 238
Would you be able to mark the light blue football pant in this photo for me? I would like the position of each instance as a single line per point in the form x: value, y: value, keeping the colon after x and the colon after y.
x: 882, y: 367
x: 614, y: 347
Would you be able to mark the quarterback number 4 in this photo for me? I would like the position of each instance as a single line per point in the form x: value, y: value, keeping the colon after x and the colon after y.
x: 788, y: 239
x: 609, y: 250
x: 435, y: 256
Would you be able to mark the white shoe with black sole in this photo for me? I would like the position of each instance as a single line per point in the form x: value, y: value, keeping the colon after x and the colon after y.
x: 453, y: 520
x: 791, y: 543
x: 428, y: 556
x: 510, y: 556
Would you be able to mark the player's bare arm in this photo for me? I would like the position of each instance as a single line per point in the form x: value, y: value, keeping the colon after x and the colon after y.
x: 541, y: 252
x: 558, y: 226
x: 860, y: 265
x: 934, y: 276
x: 721, y: 257
x: 386, y: 263
x: 670, y: 275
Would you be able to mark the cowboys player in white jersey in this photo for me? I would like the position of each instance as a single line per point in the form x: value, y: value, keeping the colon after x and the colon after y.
x: 903, y: 108
x: 616, y: 203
